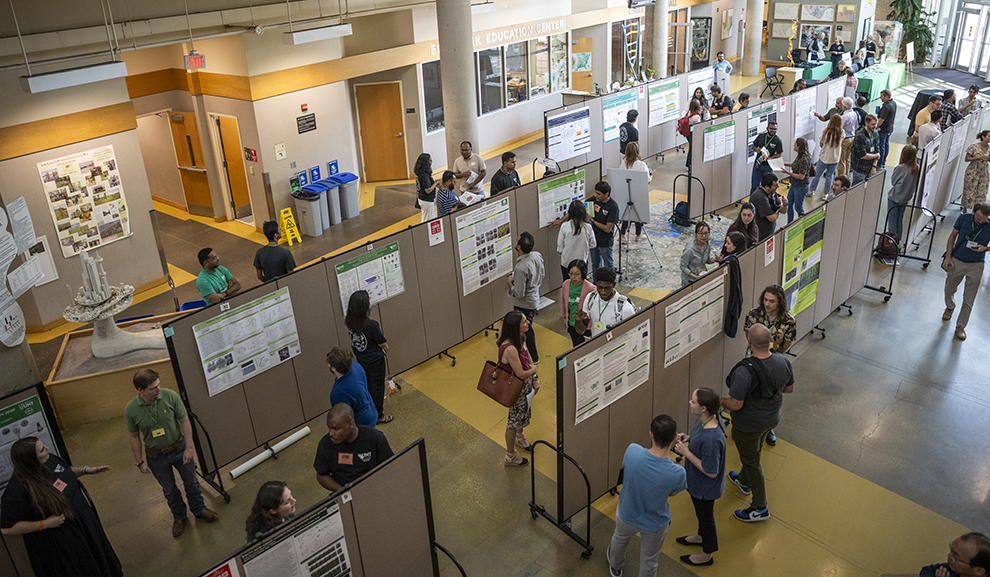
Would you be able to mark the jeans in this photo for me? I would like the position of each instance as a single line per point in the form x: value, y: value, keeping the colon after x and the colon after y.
x: 895, y: 219
x: 758, y: 171
x: 883, y: 147
x: 795, y: 201
x: 375, y: 371
x: 856, y: 177
x: 750, y: 447
x: 161, y: 468
x: 972, y: 272
x: 530, y: 334
x: 576, y: 337
x: 649, y: 547
x: 705, y: 511
x: 601, y: 256
x: 828, y: 170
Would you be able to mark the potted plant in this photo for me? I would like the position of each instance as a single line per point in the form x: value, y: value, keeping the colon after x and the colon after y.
x: 651, y: 73
x: 918, y: 26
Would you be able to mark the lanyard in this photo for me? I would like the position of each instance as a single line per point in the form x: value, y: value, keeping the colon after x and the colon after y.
x: 770, y: 326
x: 153, y: 412
x: 601, y: 308
x: 974, y: 232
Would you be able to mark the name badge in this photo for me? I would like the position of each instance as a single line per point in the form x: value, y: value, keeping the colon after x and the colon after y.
x: 345, y: 458
x: 158, y: 432
x: 970, y: 244
x: 60, y: 484
x: 599, y: 326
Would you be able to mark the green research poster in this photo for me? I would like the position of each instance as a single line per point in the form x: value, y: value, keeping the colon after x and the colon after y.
x: 802, y: 260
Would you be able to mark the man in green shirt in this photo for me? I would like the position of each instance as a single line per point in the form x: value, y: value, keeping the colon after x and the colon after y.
x: 158, y: 415
x: 215, y: 282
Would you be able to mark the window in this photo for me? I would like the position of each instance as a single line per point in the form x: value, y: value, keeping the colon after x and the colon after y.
x: 558, y: 62
x: 432, y: 96
x: 539, y: 66
x: 490, y: 78
x: 516, y: 73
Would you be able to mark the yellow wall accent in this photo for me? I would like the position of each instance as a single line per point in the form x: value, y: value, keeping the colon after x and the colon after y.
x: 225, y: 85
x: 156, y: 82
x: 39, y: 135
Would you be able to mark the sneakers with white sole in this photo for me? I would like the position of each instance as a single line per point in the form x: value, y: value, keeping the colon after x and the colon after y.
x: 734, y: 477
x: 752, y: 515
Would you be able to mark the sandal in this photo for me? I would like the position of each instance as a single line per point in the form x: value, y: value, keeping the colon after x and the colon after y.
x: 385, y: 419
x: 510, y: 461
x: 523, y: 444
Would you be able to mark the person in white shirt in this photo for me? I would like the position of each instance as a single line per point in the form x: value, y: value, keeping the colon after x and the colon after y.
x: 469, y: 170
x: 969, y: 102
x: 576, y: 237
x: 605, y: 308
x: 633, y: 161
x: 850, y: 124
x: 928, y: 132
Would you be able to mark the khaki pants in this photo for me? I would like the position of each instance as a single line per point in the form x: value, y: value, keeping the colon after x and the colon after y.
x: 844, y: 158
x: 972, y: 272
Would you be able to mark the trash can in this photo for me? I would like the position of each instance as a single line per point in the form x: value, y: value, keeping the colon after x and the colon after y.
x: 321, y: 188
x: 349, y: 192
x: 332, y: 200
x: 309, y: 216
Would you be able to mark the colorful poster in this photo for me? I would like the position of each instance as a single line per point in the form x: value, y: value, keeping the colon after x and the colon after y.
x: 693, y: 319
x: 665, y: 101
x: 758, y: 121
x: 614, y: 109
x: 86, y: 199
x: 703, y: 79
x: 720, y: 140
x: 23, y: 418
x: 556, y: 194
x: 313, y: 546
x: 802, y: 260
x: 484, y: 245
x: 378, y: 271
x: 612, y: 371
x: 569, y: 134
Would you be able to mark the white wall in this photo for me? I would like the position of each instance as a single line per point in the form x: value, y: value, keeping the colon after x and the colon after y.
x: 601, y: 51
x: 155, y: 136
x: 714, y: 11
x: 19, y: 107
x: 266, y: 53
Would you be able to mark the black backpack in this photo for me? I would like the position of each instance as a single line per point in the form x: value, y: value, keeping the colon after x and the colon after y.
x: 759, y: 374
x: 680, y: 215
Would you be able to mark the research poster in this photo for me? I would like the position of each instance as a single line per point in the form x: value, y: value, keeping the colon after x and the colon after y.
x: 802, y: 260
x: 720, y: 140
x: 758, y: 121
x: 836, y: 89
x: 556, y: 194
x: 378, y: 271
x: 569, y: 134
x: 19, y: 419
x: 665, y: 101
x: 86, y: 199
x: 804, y: 113
x: 701, y: 79
x: 614, y: 109
x: 958, y: 139
x: 310, y: 547
x: 244, y: 342
x: 606, y: 375
x: 484, y: 245
x: 693, y: 319
x: 933, y: 172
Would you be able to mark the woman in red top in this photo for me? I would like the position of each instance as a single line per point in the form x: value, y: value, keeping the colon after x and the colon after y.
x: 514, y: 356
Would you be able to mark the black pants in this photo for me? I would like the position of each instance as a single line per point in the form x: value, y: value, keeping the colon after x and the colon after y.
x: 576, y: 337
x: 705, y: 511
x: 563, y: 273
x: 625, y: 226
x: 530, y: 334
x: 375, y: 370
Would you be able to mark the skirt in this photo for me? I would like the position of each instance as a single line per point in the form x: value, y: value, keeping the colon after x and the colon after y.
x: 520, y: 412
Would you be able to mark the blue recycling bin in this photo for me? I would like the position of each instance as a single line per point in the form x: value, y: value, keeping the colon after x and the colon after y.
x: 331, y: 199
x: 322, y: 189
x: 349, y: 192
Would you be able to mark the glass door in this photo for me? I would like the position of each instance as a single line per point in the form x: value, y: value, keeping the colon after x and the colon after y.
x: 970, y: 38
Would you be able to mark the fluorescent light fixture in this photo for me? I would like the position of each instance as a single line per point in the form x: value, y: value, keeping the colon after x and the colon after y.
x: 315, y: 34
x: 73, y: 77
x: 482, y: 8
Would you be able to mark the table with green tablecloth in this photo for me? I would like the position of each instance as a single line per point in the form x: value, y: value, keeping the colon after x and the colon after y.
x: 898, y: 74
x: 819, y: 72
x: 872, y: 80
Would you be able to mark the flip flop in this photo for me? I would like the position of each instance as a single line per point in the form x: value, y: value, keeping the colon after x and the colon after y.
x: 386, y: 419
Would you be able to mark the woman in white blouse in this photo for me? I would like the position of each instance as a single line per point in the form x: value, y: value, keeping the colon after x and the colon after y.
x: 576, y: 237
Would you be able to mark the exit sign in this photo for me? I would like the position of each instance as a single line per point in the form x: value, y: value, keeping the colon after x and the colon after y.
x: 195, y: 61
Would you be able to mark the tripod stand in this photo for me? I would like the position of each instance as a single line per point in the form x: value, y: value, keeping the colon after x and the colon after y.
x: 631, y: 207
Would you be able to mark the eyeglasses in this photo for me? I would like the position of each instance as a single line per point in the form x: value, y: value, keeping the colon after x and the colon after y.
x: 953, y: 556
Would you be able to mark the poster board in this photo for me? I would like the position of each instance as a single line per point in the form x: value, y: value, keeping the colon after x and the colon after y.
x: 556, y: 193
x: 85, y: 199
x: 803, y: 242
x: 805, y: 106
x: 614, y: 109
x: 569, y: 134
x: 26, y: 413
x: 612, y: 371
x: 694, y: 318
x: 484, y: 244
x: 378, y: 271
x: 720, y: 140
x: 665, y: 101
x: 757, y: 121
x: 313, y: 547
x: 703, y: 79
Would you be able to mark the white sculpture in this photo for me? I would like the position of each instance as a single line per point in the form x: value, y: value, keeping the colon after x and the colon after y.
x: 97, y: 302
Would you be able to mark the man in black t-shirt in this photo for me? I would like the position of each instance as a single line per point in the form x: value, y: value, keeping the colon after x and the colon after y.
x: 885, y: 124
x: 272, y: 261
x: 769, y: 143
x: 627, y: 131
x: 769, y: 205
x: 604, y: 220
x: 347, y: 451
x: 505, y: 177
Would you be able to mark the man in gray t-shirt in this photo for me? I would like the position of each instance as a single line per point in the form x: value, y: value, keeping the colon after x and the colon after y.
x: 756, y: 387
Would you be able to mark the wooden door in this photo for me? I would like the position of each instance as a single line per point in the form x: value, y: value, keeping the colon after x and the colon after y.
x: 192, y: 168
x: 233, y: 163
x: 383, y: 143
x: 582, y: 80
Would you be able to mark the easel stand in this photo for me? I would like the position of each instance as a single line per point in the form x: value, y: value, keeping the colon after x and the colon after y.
x: 212, y: 478
x: 630, y: 206
x: 539, y: 510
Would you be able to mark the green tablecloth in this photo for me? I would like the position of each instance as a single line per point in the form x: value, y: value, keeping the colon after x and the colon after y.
x: 819, y: 72
x: 871, y: 81
x: 898, y: 73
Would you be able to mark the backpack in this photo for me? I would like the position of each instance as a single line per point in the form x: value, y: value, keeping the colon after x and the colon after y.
x: 684, y: 126
x: 680, y: 215
x: 760, y: 375
x: 887, y: 246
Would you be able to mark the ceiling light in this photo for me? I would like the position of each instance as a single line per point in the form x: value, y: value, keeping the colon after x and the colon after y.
x: 73, y: 77
x: 314, y: 34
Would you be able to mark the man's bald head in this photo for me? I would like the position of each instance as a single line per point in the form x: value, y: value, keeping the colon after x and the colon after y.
x: 340, y: 422
x: 759, y: 338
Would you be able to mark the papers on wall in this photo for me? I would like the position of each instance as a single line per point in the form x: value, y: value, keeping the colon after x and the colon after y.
x: 614, y: 369
x: 758, y: 120
x: 556, y: 194
x: 25, y: 276
x: 311, y: 546
x: 665, y: 101
x: 12, y: 325
x: 693, y: 319
x: 933, y: 172
x: 378, y: 271
x: 44, y: 254
x: 836, y: 89
x: 86, y: 199
x: 20, y: 224
x: 720, y: 140
x: 484, y: 245
x: 802, y: 260
x: 958, y: 139
x: 704, y: 79
x: 19, y: 419
x: 804, y: 113
x: 436, y: 232
x: 244, y: 342
x: 569, y: 134
x: 614, y: 109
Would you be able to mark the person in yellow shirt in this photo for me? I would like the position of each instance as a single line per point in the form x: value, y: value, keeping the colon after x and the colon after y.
x: 924, y: 115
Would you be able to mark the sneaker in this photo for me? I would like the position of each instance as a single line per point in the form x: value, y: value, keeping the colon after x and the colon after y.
x: 947, y: 315
x: 752, y: 515
x: 208, y: 515
x: 960, y: 333
x: 178, y: 527
x: 772, y: 438
x: 611, y: 571
x: 734, y: 477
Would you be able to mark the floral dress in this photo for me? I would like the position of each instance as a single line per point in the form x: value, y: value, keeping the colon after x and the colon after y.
x: 519, y: 413
x: 977, y: 178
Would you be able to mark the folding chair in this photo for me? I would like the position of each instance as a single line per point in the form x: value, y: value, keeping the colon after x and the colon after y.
x: 775, y: 82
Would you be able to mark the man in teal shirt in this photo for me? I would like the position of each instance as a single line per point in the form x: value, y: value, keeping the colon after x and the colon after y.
x: 215, y: 282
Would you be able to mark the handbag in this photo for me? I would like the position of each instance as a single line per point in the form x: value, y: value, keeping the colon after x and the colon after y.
x: 501, y: 385
x: 812, y: 173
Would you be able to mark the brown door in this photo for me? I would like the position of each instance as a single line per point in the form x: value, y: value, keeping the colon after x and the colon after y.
x: 192, y: 168
x: 383, y: 144
x: 233, y: 164
x: 581, y: 80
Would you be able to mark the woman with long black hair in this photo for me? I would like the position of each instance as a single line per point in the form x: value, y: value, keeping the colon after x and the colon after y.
x: 369, y: 347
x: 513, y: 356
x: 426, y: 187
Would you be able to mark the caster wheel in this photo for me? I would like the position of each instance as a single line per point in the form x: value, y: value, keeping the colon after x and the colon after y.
x: 586, y: 555
x: 226, y: 498
x: 924, y: 265
x: 886, y: 299
x: 452, y: 363
x: 611, y: 492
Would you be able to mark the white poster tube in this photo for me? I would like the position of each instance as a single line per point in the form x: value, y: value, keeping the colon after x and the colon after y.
x: 264, y: 456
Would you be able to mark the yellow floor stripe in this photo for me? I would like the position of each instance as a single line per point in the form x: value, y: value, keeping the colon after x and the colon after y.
x: 235, y: 228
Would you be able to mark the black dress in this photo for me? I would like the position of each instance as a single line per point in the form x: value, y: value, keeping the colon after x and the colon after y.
x: 77, y: 548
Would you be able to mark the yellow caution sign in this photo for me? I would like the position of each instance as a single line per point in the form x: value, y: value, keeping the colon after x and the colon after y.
x: 289, y: 226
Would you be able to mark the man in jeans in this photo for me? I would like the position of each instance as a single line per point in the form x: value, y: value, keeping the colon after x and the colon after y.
x: 524, y: 286
x: 756, y: 385
x: 159, y: 416
x: 885, y: 124
x: 965, y: 253
x: 864, y: 154
x: 604, y: 220
x: 649, y: 478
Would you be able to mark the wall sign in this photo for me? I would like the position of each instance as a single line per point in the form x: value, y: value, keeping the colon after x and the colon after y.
x: 306, y: 123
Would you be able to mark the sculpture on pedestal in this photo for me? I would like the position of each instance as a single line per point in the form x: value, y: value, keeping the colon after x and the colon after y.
x: 97, y: 302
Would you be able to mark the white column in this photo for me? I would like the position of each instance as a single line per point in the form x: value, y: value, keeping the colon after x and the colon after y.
x: 754, y: 38
x: 460, y: 108
x: 659, y: 33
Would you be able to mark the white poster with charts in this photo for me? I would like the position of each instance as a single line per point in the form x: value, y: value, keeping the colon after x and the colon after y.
x: 484, y: 245
x: 555, y: 195
x: 569, y: 134
x: 759, y: 118
x: 720, y: 140
x: 614, y: 369
x: 665, y: 101
x: 314, y: 546
x: 614, y: 110
x: 243, y: 342
x: 378, y: 271
x: 804, y: 113
x: 693, y: 319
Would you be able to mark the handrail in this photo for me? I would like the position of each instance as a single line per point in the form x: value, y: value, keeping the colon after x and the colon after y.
x: 704, y: 193
x: 563, y: 525
x: 451, y: 557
